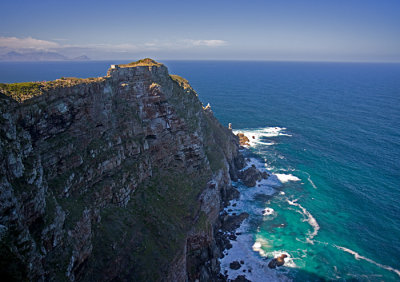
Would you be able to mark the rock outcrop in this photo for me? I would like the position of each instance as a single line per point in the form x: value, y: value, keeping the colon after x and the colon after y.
x: 114, y: 178
x: 251, y: 175
x: 279, y: 261
x: 243, y: 140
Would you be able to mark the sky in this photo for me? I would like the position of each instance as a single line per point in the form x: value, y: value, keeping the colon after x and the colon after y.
x: 288, y: 30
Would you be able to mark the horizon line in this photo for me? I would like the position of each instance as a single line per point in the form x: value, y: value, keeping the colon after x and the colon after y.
x: 209, y: 60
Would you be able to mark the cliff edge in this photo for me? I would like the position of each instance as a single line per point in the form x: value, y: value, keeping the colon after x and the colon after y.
x: 118, y: 177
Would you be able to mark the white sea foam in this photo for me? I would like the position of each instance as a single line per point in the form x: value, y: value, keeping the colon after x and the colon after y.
x: 286, y: 177
x: 257, y: 246
x: 268, y: 211
x: 287, y: 169
x: 289, y: 262
x: 255, y: 135
x: 261, y: 243
x: 246, y: 250
x: 262, y: 187
x: 257, y: 163
x: 266, y: 143
x: 309, y: 180
x: 357, y: 256
x: 309, y: 218
x: 312, y: 183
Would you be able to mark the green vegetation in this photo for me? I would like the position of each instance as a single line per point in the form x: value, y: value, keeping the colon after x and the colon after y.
x: 186, y: 103
x: 187, y: 107
x: 74, y: 206
x: 22, y: 91
x: 143, y: 62
x: 26, y: 90
x: 71, y: 81
x: 181, y: 81
x: 149, y: 233
x: 202, y: 223
x: 159, y: 215
x: 215, y: 158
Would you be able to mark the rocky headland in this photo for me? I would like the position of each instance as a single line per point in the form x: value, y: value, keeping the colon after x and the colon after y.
x: 121, y: 177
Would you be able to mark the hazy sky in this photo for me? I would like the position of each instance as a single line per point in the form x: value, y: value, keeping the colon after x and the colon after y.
x: 338, y: 30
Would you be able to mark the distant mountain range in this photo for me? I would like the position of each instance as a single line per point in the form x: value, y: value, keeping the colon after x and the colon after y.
x: 39, y: 56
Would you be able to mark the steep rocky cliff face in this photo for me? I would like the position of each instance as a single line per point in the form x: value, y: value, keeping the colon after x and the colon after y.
x: 120, y: 177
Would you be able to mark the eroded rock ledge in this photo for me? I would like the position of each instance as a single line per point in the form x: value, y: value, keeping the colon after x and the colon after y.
x: 114, y: 178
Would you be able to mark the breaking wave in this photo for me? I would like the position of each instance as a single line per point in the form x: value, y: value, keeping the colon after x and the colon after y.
x: 286, y: 177
x: 256, y: 135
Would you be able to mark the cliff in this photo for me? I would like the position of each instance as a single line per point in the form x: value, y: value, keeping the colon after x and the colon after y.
x: 114, y: 178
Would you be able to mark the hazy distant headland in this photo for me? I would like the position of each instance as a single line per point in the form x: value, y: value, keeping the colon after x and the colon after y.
x: 35, y: 56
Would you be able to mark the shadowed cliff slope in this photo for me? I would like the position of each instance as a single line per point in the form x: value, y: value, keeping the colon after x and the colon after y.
x: 120, y: 177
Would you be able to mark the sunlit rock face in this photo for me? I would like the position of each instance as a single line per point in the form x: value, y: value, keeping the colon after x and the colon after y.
x: 118, y: 177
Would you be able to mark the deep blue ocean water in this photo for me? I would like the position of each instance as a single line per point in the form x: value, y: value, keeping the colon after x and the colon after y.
x: 330, y: 131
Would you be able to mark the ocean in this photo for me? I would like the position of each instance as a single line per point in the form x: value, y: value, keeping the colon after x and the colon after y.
x: 329, y: 135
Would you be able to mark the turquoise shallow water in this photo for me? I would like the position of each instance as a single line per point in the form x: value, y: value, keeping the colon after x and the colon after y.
x: 344, y: 122
x: 342, y: 142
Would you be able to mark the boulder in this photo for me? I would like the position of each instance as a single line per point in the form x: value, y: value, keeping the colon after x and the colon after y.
x: 243, y: 140
x: 241, y: 278
x: 272, y: 263
x: 251, y: 175
x: 279, y: 261
x: 235, y: 265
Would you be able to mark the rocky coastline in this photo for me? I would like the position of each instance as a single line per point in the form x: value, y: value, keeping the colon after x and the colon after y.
x: 227, y: 224
x: 118, y: 177
x: 231, y: 220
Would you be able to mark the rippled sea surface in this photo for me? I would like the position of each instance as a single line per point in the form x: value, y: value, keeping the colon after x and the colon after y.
x: 329, y: 134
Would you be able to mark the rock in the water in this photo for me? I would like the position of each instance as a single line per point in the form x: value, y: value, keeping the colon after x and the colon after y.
x: 235, y: 265
x: 272, y: 263
x: 264, y: 175
x: 232, y: 237
x: 243, y: 140
x: 279, y: 261
x: 241, y: 278
x: 232, y: 222
x: 251, y: 175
